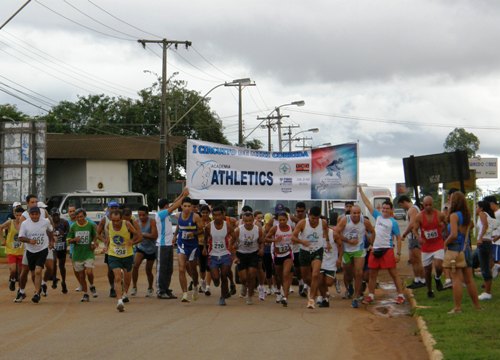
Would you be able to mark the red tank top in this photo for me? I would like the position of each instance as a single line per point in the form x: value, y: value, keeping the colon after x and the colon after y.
x: 430, y: 233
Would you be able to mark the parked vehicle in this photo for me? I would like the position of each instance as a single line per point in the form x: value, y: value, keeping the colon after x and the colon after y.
x: 399, y: 214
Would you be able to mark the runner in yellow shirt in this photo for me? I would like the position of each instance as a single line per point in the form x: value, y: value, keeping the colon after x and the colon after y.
x: 121, y: 237
x: 14, y: 249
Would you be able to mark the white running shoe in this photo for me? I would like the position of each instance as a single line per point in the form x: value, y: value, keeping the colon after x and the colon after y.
x: 149, y: 293
x: 79, y: 288
x: 494, y: 272
x: 268, y: 291
x: 195, y: 294
x: 203, y: 286
x: 249, y: 300
x: 133, y: 292
x: 120, y: 306
x: 319, y: 300
x: 485, y: 296
x: 278, y: 298
x: 262, y: 293
x: 185, y: 297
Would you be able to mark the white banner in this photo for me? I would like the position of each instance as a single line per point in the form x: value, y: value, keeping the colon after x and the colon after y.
x: 216, y: 171
x: 486, y: 168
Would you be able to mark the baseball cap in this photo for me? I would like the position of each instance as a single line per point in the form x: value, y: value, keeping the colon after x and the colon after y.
x: 279, y: 208
x: 35, y: 209
x: 16, y: 204
x: 54, y: 211
x: 113, y: 204
x: 203, y: 202
x: 41, y: 204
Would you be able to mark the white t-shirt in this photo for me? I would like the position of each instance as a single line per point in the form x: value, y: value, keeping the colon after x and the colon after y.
x: 330, y: 257
x: 385, y: 229
x: 496, y: 232
x: 37, y: 231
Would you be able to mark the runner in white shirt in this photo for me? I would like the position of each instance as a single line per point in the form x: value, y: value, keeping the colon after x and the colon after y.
x: 331, y: 261
x: 311, y: 233
x: 37, y: 235
x: 249, y: 246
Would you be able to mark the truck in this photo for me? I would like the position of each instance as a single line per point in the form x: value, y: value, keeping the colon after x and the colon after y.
x: 22, y: 162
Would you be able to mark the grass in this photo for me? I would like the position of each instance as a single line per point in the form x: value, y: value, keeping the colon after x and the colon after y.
x: 470, y: 335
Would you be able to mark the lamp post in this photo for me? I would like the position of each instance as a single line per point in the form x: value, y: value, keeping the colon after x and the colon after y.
x: 240, y: 83
x: 278, y: 118
x: 291, y: 138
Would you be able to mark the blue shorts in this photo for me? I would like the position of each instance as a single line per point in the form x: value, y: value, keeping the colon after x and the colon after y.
x: 188, y: 248
x: 215, y: 262
x: 496, y: 253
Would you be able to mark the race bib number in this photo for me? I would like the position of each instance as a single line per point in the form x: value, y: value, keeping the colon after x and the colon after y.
x: 120, y: 251
x: 84, y: 237
x: 219, y: 246
x: 431, y: 234
x: 16, y: 244
x: 281, y: 249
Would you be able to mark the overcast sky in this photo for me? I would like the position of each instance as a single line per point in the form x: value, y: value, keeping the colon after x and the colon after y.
x: 396, y: 75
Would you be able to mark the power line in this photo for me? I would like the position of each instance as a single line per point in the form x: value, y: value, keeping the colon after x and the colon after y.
x: 23, y: 100
x: 47, y: 57
x: 97, y: 21
x: 399, y: 122
x: 82, y: 25
x: 210, y: 63
x: 44, y: 102
x: 196, y: 67
x: 24, y: 87
x: 123, y: 21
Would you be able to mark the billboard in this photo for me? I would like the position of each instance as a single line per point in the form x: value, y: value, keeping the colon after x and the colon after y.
x: 216, y: 171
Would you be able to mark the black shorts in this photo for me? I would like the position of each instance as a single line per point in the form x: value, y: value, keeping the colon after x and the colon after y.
x: 36, y: 259
x: 247, y: 260
x: 146, y: 256
x: 307, y: 257
x: 279, y: 261
x: 105, y: 258
x: 60, y: 254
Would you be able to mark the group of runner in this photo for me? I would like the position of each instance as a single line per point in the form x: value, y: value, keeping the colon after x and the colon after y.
x: 268, y: 250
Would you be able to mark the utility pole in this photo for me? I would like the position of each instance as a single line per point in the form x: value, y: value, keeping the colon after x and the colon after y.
x: 304, y: 139
x: 270, y: 126
x: 164, y: 117
x: 289, y: 133
x: 240, y: 83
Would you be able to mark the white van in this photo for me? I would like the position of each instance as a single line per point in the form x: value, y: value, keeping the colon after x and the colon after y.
x: 94, y: 202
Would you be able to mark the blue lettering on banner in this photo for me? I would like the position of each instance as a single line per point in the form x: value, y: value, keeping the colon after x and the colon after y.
x: 212, y: 150
x: 294, y: 154
x: 244, y: 178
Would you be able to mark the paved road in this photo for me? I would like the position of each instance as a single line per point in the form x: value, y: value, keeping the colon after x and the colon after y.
x: 62, y: 327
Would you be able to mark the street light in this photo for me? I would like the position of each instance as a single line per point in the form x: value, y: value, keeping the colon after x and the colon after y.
x: 278, y: 117
x: 291, y: 138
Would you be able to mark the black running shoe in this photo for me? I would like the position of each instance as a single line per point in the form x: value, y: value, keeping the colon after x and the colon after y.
x: 36, y: 298
x: 324, y: 304
x: 112, y: 293
x: 54, y: 283
x: 19, y: 297
x: 439, y: 285
x: 44, y: 290
x: 85, y: 298
x: 190, y: 287
x: 64, y: 288
x: 125, y: 299
x: 12, y: 285
x: 430, y: 294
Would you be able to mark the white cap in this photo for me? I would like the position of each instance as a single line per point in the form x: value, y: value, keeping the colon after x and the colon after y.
x: 16, y: 204
x: 203, y: 202
x: 41, y: 204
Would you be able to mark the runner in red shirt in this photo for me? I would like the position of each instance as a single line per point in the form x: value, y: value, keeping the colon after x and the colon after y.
x: 431, y: 222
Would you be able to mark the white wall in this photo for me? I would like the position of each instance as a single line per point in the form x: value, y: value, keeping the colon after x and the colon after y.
x: 65, y: 176
x: 112, y: 173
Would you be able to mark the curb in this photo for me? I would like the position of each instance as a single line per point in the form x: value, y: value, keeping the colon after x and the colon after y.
x: 427, y: 339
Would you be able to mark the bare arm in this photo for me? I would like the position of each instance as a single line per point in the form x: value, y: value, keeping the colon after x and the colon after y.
x: 412, y: 214
x: 298, y: 229
x: 484, y: 223
x: 178, y: 201
x: 365, y: 200
x: 370, y: 229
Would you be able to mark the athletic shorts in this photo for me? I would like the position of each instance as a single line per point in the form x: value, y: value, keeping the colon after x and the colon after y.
x: 387, y: 261
x: 428, y: 257
x: 188, y: 248
x: 247, y: 260
x: 82, y: 265
x: 146, y: 255
x: 50, y: 256
x: 215, y: 262
x: 413, y: 242
x: 60, y: 254
x: 307, y: 257
x: 36, y: 259
x: 496, y: 252
x: 329, y: 273
x: 349, y: 257
x: 125, y: 263
x: 15, y: 259
x: 279, y: 261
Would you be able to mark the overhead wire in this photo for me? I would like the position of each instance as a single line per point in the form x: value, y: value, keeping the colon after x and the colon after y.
x: 196, y: 67
x: 32, y: 97
x: 78, y: 72
x: 398, y: 122
x: 210, y: 63
x: 123, y: 21
x: 82, y: 25
x: 22, y: 99
x: 26, y: 88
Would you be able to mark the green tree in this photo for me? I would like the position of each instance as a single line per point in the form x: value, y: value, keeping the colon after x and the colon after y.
x: 9, y: 112
x: 101, y: 114
x: 254, y: 144
x: 459, y: 139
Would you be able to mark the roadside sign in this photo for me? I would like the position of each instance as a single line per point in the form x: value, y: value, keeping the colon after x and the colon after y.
x: 486, y: 168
